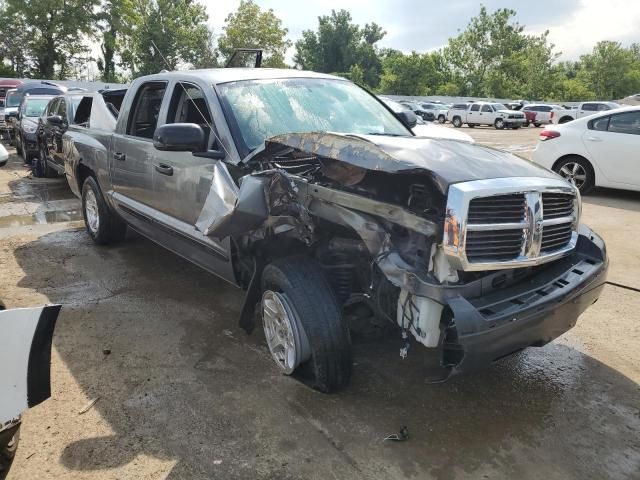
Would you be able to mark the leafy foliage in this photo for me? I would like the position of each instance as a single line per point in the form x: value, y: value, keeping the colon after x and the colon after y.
x: 250, y: 27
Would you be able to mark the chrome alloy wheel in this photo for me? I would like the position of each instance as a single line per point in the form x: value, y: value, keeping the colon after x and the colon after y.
x: 92, y: 215
x: 286, y: 339
x: 575, y: 173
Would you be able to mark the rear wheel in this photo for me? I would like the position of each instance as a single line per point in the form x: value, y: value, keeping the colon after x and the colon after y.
x: 565, y: 120
x: 303, y: 324
x: 457, y: 122
x: 499, y: 123
x: 471, y: 125
x: 103, y: 226
x: 578, y: 171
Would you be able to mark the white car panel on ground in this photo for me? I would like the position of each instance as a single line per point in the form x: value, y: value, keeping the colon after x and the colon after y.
x: 599, y: 150
x: 4, y: 155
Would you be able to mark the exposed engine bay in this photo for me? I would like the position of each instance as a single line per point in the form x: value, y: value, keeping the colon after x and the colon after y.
x: 376, y: 231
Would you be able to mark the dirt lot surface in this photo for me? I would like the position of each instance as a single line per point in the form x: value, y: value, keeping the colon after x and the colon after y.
x: 183, y: 393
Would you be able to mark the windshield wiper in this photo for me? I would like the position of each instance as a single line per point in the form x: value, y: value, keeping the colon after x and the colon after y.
x: 387, y: 134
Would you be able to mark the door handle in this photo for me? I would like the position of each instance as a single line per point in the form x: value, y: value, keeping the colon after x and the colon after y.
x: 119, y: 156
x: 164, y: 169
x: 594, y: 139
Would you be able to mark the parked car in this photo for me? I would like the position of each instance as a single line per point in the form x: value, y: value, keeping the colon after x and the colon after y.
x: 6, y: 125
x: 582, y: 110
x: 26, y: 128
x: 4, y: 156
x: 543, y: 113
x: 426, y: 115
x: 58, y: 115
x: 7, y: 84
x: 485, y: 113
x: 441, y: 114
x: 599, y: 150
x: 25, y: 357
x: 427, y: 129
x: 457, y: 109
x: 14, y: 98
x: 305, y: 190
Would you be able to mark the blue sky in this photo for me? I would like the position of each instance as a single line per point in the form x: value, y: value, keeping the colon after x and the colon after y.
x: 574, y: 25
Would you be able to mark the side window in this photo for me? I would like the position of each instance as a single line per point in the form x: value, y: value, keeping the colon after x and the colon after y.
x: 526, y: 109
x: 545, y: 108
x: 62, y: 109
x: 487, y: 108
x: 475, y: 108
x: 589, y: 107
x: 188, y: 105
x: 628, y: 122
x: 600, y: 124
x: 602, y: 107
x: 52, y: 107
x: 146, y: 108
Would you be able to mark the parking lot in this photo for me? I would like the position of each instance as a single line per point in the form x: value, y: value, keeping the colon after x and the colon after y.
x: 183, y: 392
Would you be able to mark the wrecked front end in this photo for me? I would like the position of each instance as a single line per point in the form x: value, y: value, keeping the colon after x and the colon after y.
x: 441, y: 244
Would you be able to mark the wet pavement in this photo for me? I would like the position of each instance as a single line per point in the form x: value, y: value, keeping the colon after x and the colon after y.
x: 184, y: 393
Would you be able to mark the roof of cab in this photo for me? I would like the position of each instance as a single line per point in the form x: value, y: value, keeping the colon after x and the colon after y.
x: 225, y: 75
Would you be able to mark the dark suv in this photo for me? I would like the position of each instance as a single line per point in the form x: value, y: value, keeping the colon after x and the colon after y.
x: 31, y: 107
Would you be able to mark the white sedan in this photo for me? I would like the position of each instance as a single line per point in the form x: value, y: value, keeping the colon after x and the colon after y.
x: 596, y: 151
x: 4, y: 155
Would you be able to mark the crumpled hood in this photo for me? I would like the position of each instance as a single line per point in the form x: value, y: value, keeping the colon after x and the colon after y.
x: 447, y: 161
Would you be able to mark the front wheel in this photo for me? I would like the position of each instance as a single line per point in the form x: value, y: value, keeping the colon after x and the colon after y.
x: 457, y: 122
x: 103, y: 226
x: 442, y: 119
x: 499, y: 124
x: 44, y: 168
x: 18, y: 146
x: 303, y: 324
x: 537, y: 125
x: 578, y: 171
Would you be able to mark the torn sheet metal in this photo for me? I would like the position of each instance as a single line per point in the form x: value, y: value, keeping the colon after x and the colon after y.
x: 101, y: 117
x: 445, y: 161
x: 221, y: 200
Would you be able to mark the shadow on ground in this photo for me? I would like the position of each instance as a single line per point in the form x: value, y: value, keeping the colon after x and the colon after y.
x: 184, y: 383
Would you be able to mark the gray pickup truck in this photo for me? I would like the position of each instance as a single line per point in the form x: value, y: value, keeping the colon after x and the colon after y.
x: 314, y: 197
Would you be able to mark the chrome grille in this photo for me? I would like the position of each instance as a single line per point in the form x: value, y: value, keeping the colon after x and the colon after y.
x: 501, y: 208
x: 509, y: 222
x: 555, y: 236
x: 489, y: 246
x: 557, y: 205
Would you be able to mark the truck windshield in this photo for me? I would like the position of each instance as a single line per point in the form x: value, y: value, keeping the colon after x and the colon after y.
x: 265, y: 108
x: 34, y: 107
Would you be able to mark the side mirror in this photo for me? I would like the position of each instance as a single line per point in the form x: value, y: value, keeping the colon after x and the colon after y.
x: 408, y: 118
x: 179, y: 137
x: 55, y: 120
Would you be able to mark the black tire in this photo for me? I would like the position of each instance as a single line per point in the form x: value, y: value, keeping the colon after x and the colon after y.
x: 526, y: 124
x: 302, y: 280
x: 471, y: 125
x: 565, y: 120
x: 8, y: 453
x: 18, y: 146
x: 26, y: 156
x: 590, y: 180
x: 537, y: 125
x: 499, y: 124
x: 47, y: 171
x: 457, y: 122
x: 110, y: 228
x: 442, y: 119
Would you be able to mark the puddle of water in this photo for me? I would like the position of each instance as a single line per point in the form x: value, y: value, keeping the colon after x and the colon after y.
x: 54, y: 216
x: 43, y: 191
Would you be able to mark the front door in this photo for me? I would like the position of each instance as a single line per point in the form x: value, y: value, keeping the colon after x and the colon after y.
x: 181, y: 180
x: 133, y: 151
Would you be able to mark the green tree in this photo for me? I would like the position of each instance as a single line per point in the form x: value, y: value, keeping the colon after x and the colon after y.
x: 13, y: 31
x: 338, y: 44
x: 250, y: 27
x: 610, y: 70
x: 413, y: 74
x: 115, y: 21
x: 168, y: 34
x: 55, y: 30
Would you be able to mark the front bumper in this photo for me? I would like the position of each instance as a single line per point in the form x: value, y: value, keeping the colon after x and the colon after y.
x: 514, y: 122
x: 530, y: 313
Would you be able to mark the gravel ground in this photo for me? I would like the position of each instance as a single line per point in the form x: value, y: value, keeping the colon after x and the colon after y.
x: 183, y: 393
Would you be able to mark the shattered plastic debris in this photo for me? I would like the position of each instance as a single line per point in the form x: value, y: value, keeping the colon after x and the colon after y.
x: 88, y: 406
x: 401, y: 436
